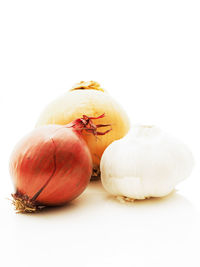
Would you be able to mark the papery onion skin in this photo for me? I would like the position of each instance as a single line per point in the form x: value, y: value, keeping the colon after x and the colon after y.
x: 52, y: 165
x: 90, y: 99
x: 51, y: 150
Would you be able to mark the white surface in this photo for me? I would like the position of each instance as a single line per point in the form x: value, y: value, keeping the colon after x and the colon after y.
x: 146, y: 54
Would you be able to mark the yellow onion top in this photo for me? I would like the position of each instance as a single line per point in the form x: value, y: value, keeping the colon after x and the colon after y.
x: 88, y: 98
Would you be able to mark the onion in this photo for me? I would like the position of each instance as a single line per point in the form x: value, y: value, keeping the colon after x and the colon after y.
x: 52, y: 165
x: 90, y: 99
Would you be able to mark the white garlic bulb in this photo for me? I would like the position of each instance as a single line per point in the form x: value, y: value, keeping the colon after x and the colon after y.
x: 145, y: 163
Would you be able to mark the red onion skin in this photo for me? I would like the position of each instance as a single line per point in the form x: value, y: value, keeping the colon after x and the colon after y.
x: 53, y: 155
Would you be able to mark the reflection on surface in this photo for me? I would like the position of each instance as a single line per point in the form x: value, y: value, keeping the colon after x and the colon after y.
x: 95, y: 197
x: 99, y: 223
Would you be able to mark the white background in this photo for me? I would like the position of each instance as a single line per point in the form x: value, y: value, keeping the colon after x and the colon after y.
x: 147, y: 55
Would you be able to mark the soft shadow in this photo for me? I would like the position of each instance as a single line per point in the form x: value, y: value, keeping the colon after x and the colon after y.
x: 146, y: 201
x: 174, y: 202
x: 56, y: 210
x: 96, y: 184
x: 95, y: 197
x: 85, y: 200
x: 52, y: 209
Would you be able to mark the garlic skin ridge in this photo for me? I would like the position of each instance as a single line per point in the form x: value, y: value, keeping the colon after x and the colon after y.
x: 147, y: 162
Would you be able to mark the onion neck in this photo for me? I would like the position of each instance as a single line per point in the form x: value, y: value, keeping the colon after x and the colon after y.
x: 86, y: 123
x: 90, y: 85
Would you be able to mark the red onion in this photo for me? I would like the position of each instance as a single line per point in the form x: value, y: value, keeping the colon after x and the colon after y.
x: 52, y: 165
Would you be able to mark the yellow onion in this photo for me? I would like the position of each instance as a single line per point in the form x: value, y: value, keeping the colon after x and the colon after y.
x: 88, y: 98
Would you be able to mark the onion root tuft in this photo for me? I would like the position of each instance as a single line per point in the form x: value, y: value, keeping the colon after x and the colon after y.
x: 23, y: 204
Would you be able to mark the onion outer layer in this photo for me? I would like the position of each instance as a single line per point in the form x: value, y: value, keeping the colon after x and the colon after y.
x: 52, y: 165
x: 90, y: 99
